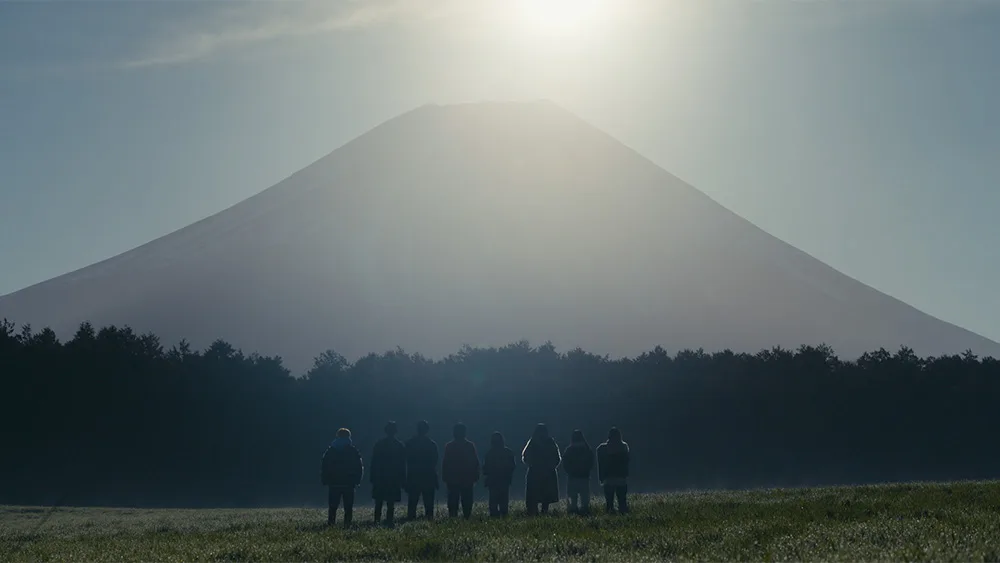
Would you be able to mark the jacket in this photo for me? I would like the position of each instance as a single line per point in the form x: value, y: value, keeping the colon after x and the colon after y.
x: 388, y: 467
x: 578, y: 461
x: 460, y: 467
x: 498, y: 467
x: 342, y: 467
x: 421, y: 464
x: 612, y: 462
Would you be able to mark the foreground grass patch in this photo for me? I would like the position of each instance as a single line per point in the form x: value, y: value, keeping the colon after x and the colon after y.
x: 894, y: 522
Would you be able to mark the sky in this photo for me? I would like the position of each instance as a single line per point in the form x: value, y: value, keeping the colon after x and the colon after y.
x: 864, y: 132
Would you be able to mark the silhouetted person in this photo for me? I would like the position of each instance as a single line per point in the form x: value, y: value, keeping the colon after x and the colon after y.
x: 612, y: 469
x: 341, y: 471
x: 498, y: 468
x: 460, y: 470
x: 541, y: 455
x: 578, y: 462
x: 388, y: 473
x: 421, y: 471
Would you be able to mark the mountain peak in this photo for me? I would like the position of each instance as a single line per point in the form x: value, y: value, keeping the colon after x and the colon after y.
x: 491, y: 105
x: 529, y: 115
x: 482, y: 223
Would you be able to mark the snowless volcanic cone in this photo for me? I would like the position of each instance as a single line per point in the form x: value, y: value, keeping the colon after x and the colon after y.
x: 482, y: 224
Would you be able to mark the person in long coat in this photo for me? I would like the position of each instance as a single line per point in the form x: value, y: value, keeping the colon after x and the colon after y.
x: 388, y: 473
x: 541, y: 455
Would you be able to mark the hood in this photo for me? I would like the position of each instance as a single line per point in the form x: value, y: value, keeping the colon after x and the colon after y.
x: 546, y: 442
x: 615, y: 447
x: 341, y: 443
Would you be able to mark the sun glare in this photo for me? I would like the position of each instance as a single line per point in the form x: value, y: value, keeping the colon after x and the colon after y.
x: 559, y: 16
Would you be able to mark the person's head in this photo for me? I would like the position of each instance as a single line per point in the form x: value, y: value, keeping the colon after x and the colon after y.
x: 614, y: 435
x: 541, y: 431
x: 496, y: 440
x: 578, y: 437
x: 343, y: 433
x: 423, y: 427
x: 391, y: 428
x: 460, y: 431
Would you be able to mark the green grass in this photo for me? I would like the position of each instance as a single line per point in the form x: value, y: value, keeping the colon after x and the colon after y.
x: 897, y: 522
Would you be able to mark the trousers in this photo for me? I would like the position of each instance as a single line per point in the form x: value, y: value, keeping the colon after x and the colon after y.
x: 463, y: 495
x: 499, y: 501
x: 612, y: 491
x: 334, y: 498
x: 390, y: 511
x: 413, y: 498
x: 578, y: 493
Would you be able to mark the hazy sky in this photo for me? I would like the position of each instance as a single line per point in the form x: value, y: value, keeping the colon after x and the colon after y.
x: 865, y: 132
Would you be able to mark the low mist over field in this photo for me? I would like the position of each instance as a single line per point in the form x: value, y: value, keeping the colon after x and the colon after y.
x: 893, y: 523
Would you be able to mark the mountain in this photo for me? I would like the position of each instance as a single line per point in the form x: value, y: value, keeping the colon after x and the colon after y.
x: 482, y: 224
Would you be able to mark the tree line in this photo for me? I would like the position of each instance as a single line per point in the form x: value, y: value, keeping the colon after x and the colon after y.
x: 112, y: 417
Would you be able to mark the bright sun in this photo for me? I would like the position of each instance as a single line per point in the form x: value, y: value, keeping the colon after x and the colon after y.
x: 559, y: 16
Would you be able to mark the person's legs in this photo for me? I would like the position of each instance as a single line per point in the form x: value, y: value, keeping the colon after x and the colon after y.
x: 333, y: 500
x: 584, y: 492
x: 530, y: 502
x: 545, y: 508
x: 572, y: 491
x: 467, y: 500
x: 429, y: 503
x: 390, y: 512
x: 348, y: 495
x: 453, y: 497
x: 378, y: 510
x: 609, y: 498
x: 494, y: 503
x: 412, y: 498
x: 622, y: 492
x: 504, y: 501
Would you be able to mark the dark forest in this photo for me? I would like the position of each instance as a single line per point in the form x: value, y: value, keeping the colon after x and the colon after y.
x: 112, y: 417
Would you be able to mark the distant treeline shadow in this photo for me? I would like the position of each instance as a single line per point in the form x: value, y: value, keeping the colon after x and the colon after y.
x: 112, y: 418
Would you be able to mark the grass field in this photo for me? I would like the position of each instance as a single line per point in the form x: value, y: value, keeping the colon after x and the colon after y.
x: 895, y: 522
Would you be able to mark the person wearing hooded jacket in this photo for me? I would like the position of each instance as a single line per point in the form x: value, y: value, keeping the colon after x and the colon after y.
x: 341, y: 471
x: 541, y: 455
x: 578, y: 462
x: 498, y: 468
x: 388, y: 473
x: 613, y: 459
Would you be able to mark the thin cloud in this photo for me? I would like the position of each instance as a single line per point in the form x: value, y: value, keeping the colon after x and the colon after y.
x: 248, y: 24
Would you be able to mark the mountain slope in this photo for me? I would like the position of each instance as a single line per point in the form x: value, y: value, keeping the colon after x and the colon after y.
x: 482, y: 224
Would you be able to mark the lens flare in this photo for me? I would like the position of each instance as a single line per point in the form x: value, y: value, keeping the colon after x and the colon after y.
x: 559, y: 16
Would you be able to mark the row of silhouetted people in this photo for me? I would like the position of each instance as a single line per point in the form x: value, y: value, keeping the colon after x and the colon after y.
x: 413, y: 467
